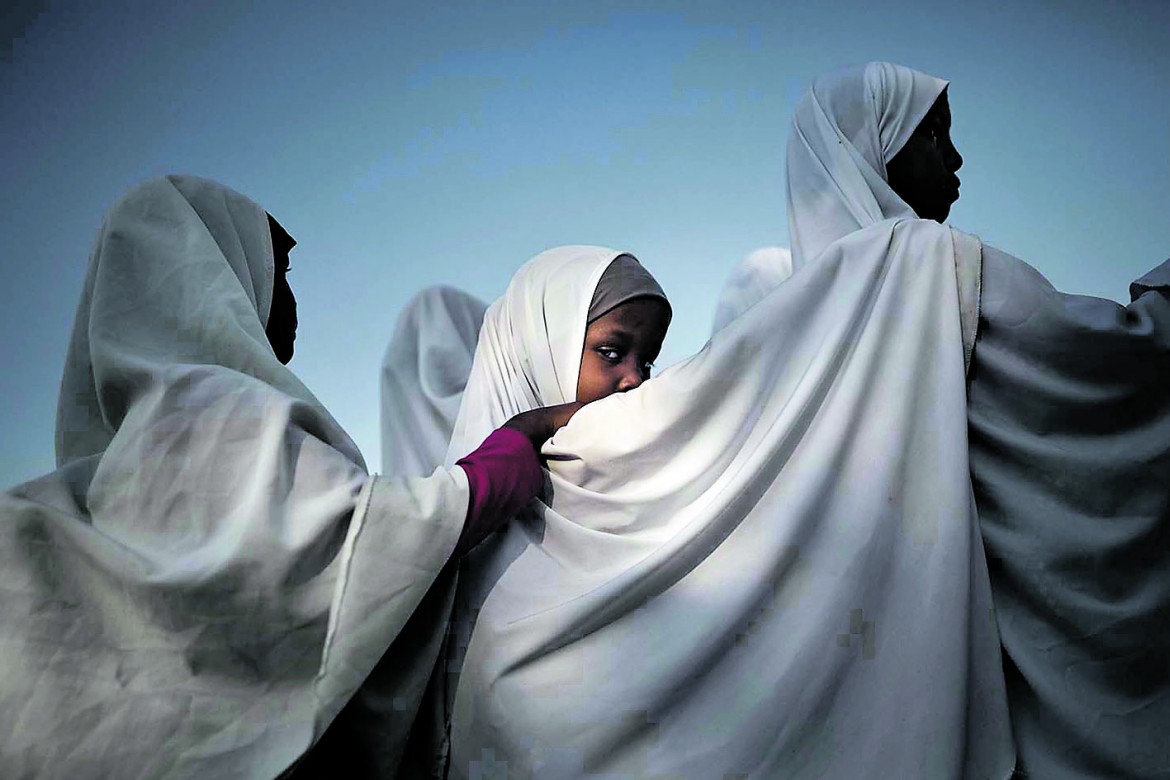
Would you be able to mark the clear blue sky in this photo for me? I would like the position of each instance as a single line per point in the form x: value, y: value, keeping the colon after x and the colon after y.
x: 408, y: 144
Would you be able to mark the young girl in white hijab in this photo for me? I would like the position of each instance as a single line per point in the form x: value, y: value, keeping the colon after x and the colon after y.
x: 210, y: 573
x: 765, y: 561
x: 1070, y: 455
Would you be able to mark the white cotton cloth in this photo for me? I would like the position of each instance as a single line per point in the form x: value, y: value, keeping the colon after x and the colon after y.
x: 1069, y: 412
x: 764, y: 269
x: 424, y: 372
x: 210, y: 573
x: 765, y: 561
x: 750, y: 281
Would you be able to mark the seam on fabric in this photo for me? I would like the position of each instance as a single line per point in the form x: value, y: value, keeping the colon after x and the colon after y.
x: 361, y: 509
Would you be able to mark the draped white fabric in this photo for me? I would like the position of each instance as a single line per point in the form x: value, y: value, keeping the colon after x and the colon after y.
x: 750, y: 281
x: 1069, y: 414
x: 210, y: 573
x: 424, y: 372
x: 764, y: 562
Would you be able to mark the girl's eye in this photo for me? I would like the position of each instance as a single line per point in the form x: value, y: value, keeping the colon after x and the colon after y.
x: 609, y: 354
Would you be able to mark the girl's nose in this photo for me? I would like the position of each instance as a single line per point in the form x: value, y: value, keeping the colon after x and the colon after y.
x: 631, y: 378
x: 956, y: 159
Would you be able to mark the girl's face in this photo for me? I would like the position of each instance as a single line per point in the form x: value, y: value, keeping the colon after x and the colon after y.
x: 621, y: 347
x: 282, y: 316
x: 923, y: 171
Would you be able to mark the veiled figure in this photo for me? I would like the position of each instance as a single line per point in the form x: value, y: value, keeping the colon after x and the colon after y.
x: 1069, y: 427
x: 765, y: 561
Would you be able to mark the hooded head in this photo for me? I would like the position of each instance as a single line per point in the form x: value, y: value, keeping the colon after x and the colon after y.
x: 183, y: 275
x: 845, y: 130
x: 530, y: 346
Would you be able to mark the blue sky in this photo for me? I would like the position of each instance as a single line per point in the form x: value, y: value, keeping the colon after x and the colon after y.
x: 408, y: 144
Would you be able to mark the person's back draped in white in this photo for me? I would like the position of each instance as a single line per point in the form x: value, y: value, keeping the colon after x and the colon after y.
x: 210, y: 573
x: 764, y: 562
x: 424, y: 371
x: 1069, y: 426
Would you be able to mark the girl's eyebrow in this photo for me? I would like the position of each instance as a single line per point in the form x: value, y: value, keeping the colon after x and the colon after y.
x: 615, y: 333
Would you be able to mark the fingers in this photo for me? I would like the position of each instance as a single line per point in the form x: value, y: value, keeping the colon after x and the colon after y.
x: 560, y: 415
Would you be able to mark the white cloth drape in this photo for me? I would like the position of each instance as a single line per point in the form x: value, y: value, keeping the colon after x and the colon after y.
x: 209, y: 574
x: 1070, y: 457
x: 764, y: 562
x: 750, y: 281
x: 423, y: 374
x: 1069, y: 409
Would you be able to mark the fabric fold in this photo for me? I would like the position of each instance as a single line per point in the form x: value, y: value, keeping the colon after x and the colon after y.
x: 172, y: 588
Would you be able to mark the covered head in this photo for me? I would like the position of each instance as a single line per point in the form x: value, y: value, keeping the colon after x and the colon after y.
x: 210, y: 551
x: 183, y: 275
x: 530, y: 346
x: 845, y: 131
x: 424, y: 371
x: 762, y: 271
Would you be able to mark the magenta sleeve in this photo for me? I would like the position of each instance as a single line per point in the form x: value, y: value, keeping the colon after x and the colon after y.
x: 504, y: 475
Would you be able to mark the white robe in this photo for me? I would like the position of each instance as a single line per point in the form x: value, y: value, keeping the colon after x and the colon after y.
x: 424, y: 372
x: 1069, y: 409
x: 210, y: 573
x: 765, y: 561
x: 1069, y: 418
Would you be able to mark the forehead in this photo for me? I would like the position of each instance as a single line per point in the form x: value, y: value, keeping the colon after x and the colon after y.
x: 941, y: 110
x: 640, y: 315
x: 281, y: 240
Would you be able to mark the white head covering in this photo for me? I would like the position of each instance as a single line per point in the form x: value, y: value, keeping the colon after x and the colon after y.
x: 846, y: 128
x: 763, y: 562
x: 529, y: 352
x: 749, y: 282
x: 423, y: 375
x: 187, y: 595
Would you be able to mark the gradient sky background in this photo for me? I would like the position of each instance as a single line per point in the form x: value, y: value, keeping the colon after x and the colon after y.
x: 408, y: 144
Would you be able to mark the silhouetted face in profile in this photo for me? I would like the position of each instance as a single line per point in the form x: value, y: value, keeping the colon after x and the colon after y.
x: 621, y: 347
x: 923, y: 171
x: 282, y: 317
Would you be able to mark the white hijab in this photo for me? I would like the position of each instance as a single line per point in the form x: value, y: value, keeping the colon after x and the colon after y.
x: 763, y: 562
x: 529, y: 351
x: 750, y: 281
x: 424, y: 372
x: 210, y: 573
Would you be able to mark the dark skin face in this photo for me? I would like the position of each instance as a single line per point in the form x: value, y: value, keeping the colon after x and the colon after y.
x: 923, y: 171
x: 621, y: 347
x: 282, y: 317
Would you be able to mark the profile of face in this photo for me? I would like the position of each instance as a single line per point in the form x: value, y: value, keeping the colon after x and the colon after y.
x: 923, y: 171
x: 621, y: 347
x: 282, y: 316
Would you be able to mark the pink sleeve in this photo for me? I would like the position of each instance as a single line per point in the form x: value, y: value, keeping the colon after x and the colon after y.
x: 504, y: 474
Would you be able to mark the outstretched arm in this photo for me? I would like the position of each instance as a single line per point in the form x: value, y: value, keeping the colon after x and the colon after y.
x: 504, y: 472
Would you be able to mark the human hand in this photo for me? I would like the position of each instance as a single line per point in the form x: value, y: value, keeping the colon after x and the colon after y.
x: 540, y: 424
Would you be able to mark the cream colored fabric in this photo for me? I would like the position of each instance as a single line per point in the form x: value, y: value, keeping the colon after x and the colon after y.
x: 766, y: 268
x: 423, y: 374
x: 750, y: 281
x: 209, y: 573
x: 765, y: 561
